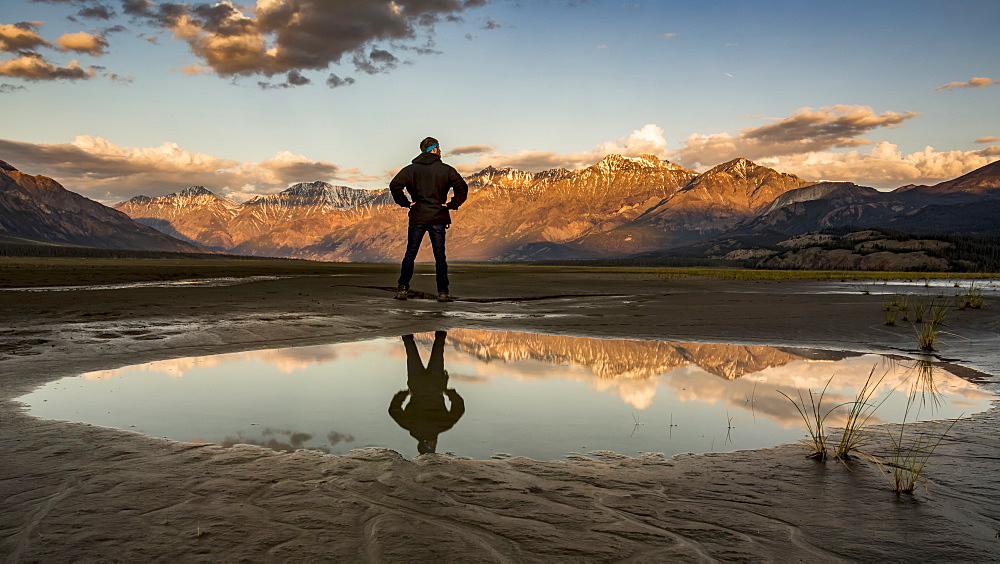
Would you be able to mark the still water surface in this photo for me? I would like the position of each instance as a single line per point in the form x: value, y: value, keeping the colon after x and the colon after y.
x: 484, y: 394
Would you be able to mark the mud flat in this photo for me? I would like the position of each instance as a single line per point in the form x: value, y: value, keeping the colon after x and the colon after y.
x: 78, y: 492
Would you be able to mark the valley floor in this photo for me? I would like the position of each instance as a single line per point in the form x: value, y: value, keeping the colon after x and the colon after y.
x: 78, y: 492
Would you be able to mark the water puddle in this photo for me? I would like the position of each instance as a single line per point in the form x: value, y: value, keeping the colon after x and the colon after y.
x: 929, y: 288
x: 495, y: 394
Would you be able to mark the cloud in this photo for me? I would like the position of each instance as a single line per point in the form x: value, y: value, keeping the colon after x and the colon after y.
x: 334, y: 81
x: 293, y: 79
x: 20, y: 36
x: 491, y: 24
x: 32, y: 67
x: 106, y: 172
x: 810, y: 133
x: 667, y: 35
x: 278, y: 36
x: 978, y: 82
x: 647, y: 140
x: 8, y: 88
x: 987, y: 139
x: 884, y: 166
x: 376, y: 62
x: 801, y: 145
x: 96, y: 12
x: 807, y: 130
x: 83, y: 42
x: 469, y: 150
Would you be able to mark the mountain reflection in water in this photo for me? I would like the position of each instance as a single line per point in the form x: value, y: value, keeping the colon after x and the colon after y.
x: 541, y: 396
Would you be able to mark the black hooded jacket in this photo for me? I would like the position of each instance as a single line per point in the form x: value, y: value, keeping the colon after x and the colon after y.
x: 427, y: 181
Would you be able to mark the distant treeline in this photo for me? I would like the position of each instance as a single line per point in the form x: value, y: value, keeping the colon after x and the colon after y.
x: 969, y: 253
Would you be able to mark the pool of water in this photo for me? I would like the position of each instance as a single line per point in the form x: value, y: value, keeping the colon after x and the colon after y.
x: 494, y: 394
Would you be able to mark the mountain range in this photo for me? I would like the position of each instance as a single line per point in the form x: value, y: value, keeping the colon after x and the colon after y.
x: 618, y: 207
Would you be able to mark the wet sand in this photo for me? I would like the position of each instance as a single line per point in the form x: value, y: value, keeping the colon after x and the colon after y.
x: 78, y: 492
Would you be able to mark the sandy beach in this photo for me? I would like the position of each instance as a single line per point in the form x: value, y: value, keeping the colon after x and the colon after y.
x: 72, y: 491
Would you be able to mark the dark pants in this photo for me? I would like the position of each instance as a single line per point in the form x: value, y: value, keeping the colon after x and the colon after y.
x: 414, y: 237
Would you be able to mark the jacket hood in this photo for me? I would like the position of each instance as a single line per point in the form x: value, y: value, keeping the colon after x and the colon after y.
x: 426, y: 158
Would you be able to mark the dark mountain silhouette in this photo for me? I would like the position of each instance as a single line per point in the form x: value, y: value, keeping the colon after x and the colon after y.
x: 39, y: 209
x: 824, y: 205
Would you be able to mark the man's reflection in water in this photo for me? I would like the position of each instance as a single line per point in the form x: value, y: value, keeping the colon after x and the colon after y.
x: 426, y: 416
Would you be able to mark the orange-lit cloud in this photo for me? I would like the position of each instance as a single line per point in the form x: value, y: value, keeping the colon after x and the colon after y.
x: 24, y: 35
x: 274, y: 37
x: 807, y: 130
x: 800, y: 144
x: 83, y: 42
x: 647, y: 140
x: 34, y: 68
x: 978, y: 82
x: 106, y: 172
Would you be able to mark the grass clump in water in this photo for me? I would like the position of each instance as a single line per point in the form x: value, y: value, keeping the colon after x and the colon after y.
x: 972, y: 298
x: 926, y: 335
x: 862, y: 409
x: 815, y: 418
x: 938, y: 312
x: 891, y: 310
x: 928, y: 321
x: 909, y: 456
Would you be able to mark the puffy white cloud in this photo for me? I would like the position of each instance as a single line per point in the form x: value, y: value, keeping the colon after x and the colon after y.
x: 977, y: 82
x: 101, y: 170
x: 83, y: 42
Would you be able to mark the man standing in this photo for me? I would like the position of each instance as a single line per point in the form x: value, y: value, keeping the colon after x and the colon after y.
x: 427, y: 181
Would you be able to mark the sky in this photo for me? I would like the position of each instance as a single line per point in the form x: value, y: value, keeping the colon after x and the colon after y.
x: 117, y: 98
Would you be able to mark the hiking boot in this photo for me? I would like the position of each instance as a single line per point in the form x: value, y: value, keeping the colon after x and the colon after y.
x: 402, y: 293
x: 445, y: 297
